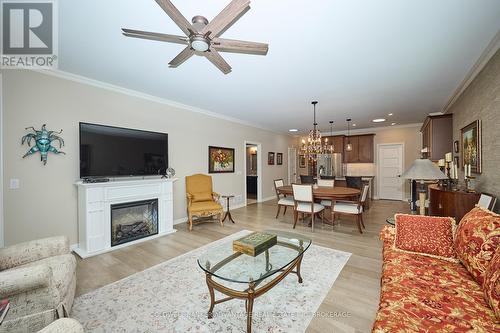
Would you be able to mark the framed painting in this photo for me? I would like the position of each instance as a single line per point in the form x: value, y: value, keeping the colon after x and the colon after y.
x: 302, y: 161
x: 220, y: 160
x: 279, y: 158
x: 470, y: 140
x: 270, y: 158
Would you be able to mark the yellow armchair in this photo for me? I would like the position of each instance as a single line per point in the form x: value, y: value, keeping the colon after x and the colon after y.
x: 201, y: 200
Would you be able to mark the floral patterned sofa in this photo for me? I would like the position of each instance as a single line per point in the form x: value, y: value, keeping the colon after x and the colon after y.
x: 438, y: 292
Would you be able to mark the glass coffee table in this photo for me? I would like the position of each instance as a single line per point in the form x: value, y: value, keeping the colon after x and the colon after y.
x: 259, y: 274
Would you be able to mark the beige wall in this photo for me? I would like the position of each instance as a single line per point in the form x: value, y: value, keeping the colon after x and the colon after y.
x: 46, y: 202
x: 408, y: 135
x: 481, y: 100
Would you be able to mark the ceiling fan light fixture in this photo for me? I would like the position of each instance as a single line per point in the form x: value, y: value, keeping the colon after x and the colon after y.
x: 200, y: 44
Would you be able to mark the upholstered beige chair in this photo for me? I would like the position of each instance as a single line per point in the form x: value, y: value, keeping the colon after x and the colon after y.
x: 304, y: 203
x: 326, y: 183
x: 352, y: 207
x: 201, y: 200
x: 283, y: 200
x: 39, y: 279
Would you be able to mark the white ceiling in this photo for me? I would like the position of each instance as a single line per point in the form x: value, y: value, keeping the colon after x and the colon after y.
x: 359, y: 58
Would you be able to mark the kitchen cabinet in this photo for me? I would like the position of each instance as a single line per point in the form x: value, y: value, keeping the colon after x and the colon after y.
x: 437, y: 136
x: 338, y: 143
x: 362, y: 148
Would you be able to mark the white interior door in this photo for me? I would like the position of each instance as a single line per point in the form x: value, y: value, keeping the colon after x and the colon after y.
x: 390, y: 166
x: 292, y: 165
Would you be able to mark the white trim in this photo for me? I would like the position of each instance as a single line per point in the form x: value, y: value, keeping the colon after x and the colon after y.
x: 478, y: 66
x: 130, y: 92
x: 259, y: 170
x: 403, y: 190
x: 2, y: 240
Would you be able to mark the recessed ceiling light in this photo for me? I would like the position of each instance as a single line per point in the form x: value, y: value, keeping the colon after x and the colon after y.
x: 379, y: 120
x: 293, y: 130
x: 392, y: 124
x: 390, y: 114
x: 353, y: 125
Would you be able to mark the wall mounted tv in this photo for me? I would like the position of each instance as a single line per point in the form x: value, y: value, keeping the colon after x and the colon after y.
x: 107, y: 151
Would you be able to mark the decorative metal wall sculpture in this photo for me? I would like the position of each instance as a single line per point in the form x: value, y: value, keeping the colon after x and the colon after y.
x: 43, y: 142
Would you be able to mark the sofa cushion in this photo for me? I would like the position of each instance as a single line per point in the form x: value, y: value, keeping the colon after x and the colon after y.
x: 425, y: 294
x: 425, y: 235
x: 63, y: 269
x: 476, y: 240
x: 491, y: 284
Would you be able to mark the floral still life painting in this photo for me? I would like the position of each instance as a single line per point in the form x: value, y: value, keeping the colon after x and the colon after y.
x: 220, y: 160
x: 471, y: 145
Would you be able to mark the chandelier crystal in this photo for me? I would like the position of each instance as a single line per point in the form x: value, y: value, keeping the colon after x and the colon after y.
x: 313, y: 145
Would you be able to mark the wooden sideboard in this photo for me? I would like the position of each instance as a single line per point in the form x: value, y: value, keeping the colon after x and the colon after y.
x: 450, y: 203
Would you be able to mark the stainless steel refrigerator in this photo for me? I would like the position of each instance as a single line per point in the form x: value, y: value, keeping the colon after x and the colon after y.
x: 330, y: 165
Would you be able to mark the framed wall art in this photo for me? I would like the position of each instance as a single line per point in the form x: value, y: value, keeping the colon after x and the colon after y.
x: 470, y: 141
x: 220, y: 160
x: 279, y: 158
x: 302, y: 161
x: 270, y: 158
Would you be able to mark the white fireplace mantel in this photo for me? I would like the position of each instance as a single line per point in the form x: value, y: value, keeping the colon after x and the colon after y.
x: 94, y: 210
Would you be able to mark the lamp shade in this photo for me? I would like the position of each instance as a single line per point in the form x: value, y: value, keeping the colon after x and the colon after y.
x: 423, y: 169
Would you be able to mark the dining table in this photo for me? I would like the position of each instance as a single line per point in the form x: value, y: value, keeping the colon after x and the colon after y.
x: 327, y: 193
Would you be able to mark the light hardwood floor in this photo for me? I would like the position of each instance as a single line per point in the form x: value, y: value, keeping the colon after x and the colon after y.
x: 353, y: 299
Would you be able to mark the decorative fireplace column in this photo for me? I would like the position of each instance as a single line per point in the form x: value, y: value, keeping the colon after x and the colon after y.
x: 120, y: 213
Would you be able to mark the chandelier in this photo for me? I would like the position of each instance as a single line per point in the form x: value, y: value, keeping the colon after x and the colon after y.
x: 313, y: 145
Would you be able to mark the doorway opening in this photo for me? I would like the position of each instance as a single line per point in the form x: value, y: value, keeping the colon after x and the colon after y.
x: 253, y: 173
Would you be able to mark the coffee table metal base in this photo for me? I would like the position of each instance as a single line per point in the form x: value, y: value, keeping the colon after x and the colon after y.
x: 252, y: 292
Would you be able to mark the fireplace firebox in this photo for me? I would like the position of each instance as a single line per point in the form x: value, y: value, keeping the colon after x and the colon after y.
x: 133, y: 220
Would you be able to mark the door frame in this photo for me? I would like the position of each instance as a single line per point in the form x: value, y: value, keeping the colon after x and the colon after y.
x: 403, y: 187
x: 259, y: 170
x: 2, y: 235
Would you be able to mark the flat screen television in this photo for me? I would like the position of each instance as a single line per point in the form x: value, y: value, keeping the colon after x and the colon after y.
x: 107, y: 151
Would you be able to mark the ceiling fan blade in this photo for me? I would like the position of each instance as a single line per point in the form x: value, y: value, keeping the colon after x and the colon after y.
x: 216, y: 59
x: 155, y: 36
x: 226, y: 18
x: 176, y: 16
x: 239, y: 46
x: 181, y: 57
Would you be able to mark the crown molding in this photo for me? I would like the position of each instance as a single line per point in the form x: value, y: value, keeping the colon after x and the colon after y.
x: 134, y: 93
x: 481, y: 62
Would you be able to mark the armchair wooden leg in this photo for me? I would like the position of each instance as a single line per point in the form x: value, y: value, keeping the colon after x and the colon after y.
x: 359, y: 224
x: 284, y: 211
x: 220, y: 219
x: 295, y: 217
x: 278, y: 213
x: 190, y: 220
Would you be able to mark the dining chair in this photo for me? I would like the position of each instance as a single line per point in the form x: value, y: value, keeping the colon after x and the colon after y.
x: 352, y: 207
x: 327, y: 177
x: 354, y: 182
x: 326, y: 183
x: 305, y: 179
x: 304, y: 203
x: 487, y: 201
x: 283, y: 200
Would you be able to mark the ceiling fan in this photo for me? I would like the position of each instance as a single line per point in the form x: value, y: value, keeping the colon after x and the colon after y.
x: 203, y: 37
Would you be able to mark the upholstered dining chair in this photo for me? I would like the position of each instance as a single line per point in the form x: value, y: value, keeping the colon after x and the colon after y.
x: 352, y: 207
x: 201, y: 200
x: 283, y: 200
x: 487, y: 201
x: 305, y: 179
x: 326, y: 183
x: 354, y: 182
x: 327, y: 177
x: 304, y: 203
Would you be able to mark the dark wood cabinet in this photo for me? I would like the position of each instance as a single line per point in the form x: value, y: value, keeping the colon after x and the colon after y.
x: 450, y: 203
x: 338, y: 143
x: 362, y: 148
x: 437, y: 136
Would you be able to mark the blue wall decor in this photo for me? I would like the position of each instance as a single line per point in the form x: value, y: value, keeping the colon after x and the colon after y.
x: 43, y: 142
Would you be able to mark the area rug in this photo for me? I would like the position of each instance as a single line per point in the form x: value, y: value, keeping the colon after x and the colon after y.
x: 173, y: 297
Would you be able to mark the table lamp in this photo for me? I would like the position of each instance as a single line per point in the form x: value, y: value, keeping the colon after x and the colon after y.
x: 422, y: 170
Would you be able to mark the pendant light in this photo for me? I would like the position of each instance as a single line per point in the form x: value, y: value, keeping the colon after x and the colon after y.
x: 349, y: 145
x: 330, y: 148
